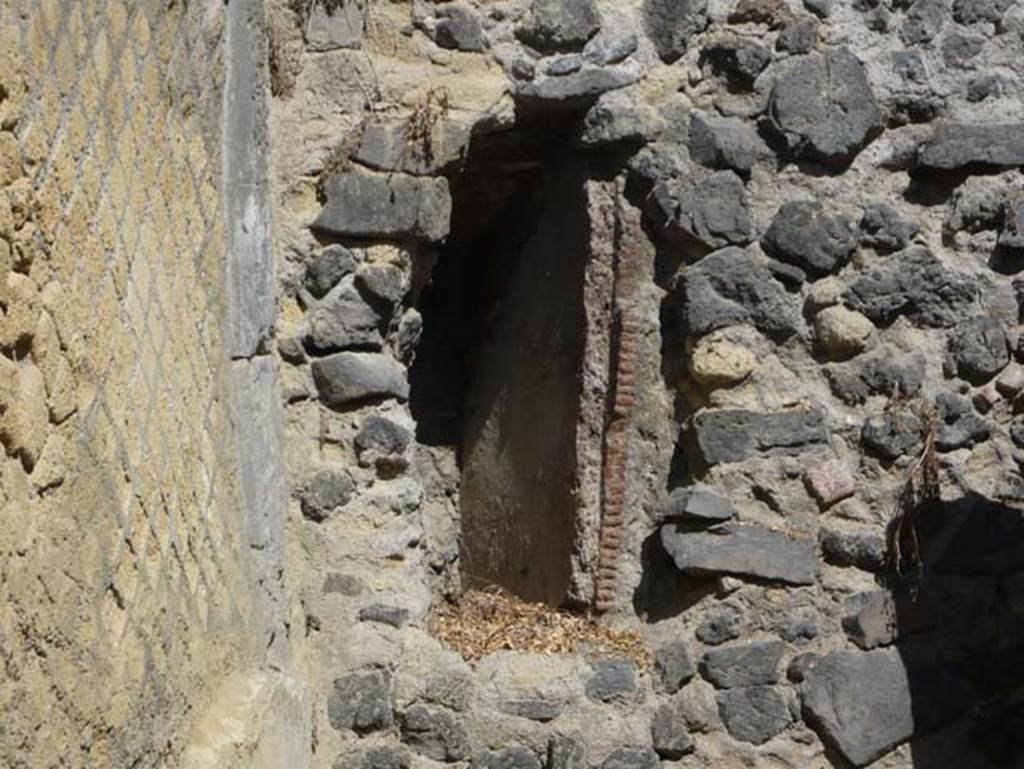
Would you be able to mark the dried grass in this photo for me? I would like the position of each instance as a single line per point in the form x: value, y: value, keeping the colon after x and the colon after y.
x: 486, y: 621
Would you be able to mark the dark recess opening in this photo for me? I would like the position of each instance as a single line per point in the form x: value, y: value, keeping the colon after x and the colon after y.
x: 496, y: 371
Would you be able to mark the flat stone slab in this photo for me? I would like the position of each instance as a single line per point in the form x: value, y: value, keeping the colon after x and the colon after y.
x: 956, y: 146
x: 366, y: 205
x: 866, y: 703
x: 347, y: 377
x: 741, y: 549
x: 586, y: 84
x: 733, y: 435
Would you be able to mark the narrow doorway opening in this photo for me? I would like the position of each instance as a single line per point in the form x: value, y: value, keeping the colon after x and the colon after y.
x: 496, y: 376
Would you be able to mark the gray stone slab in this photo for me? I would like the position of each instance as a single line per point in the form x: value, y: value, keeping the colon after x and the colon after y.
x: 361, y: 204
x: 741, y: 549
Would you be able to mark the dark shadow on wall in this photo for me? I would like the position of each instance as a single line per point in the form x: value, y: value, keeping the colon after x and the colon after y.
x: 496, y: 374
x: 960, y: 624
x: 940, y: 668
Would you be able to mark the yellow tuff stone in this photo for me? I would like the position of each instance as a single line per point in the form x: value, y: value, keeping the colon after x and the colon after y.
x: 841, y: 332
x: 715, y: 361
x: 10, y: 158
x: 23, y: 426
x: 22, y: 310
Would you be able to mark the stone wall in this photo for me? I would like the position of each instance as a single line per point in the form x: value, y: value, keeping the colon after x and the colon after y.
x: 128, y: 583
x: 734, y: 282
x: 816, y: 527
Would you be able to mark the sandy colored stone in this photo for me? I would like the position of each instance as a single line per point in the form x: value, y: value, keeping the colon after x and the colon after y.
x: 62, y: 390
x: 60, y: 381
x: 10, y: 158
x: 22, y: 310
x: 23, y: 426
x: 824, y: 293
x: 6, y: 217
x: 842, y: 333
x: 6, y: 264
x: 8, y: 382
x: 715, y: 361
x: 17, y: 509
x: 50, y: 469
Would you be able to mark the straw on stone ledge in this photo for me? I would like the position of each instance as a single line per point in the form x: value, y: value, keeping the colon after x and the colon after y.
x: 486, y: 621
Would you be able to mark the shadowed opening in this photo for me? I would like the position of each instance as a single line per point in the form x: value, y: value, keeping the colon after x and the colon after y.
x: 496, y: 374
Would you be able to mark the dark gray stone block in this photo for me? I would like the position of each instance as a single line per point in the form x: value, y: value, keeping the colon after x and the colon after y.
x: 912, y: 283
x: 750, y: 663
x: 343, y: 321
x: 958, y: 425
x: 823, y: 107
x: 724, y: 143
x: 328, y: 267
x: 385, y: 205
x: 671, y: 23
x: 385, y: 439
x: 618, y: 116
x: 962, y: 146
x: 799, y: 626
x: 558, y: 25
x: 742, y: 550
x: 863, y: 703
x: 730, y: 287
x: 799, y: 35
x: 884, y: 371
x: 885, y: 230
x: 863, y: 550
x: 612, y: 679
x: 361, y: 702
x: 512, y: 757
x: 383, y: 284
x: 669, y: 737
x: 557, y: 66
x: 736, y: 59
x: 804, y: 234
x: 722, y: 623
x: 976, y: 11
x: 979, y: 349
x: 753, y: 714
x: 713, y: 210
x: 347, y: 377
x: 435, y: 733
x: 458, y: 27
x: 892, y: 434
x: 579, y: 87
x: 325, y: 492
x: 673, y: 664
x: 732, y: 435
x: 631, y: 758
x: 565, y: 753
x: 923, y: 20
x: 698, y: 502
